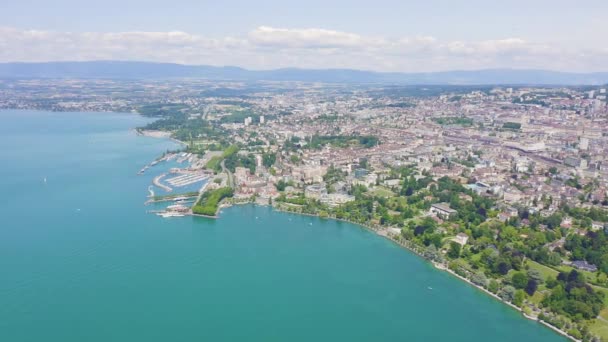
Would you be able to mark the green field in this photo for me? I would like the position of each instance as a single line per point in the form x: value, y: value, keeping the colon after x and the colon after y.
x: 214, y: 163
x: 544, y: 270
x: 383, y: 192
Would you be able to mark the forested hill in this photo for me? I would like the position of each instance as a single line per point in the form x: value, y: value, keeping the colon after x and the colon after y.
x: 139, y: 70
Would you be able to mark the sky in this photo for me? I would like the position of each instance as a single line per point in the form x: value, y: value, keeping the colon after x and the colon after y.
x: 381, y: 35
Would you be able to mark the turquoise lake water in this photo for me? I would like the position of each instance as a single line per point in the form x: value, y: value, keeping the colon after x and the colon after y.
x: 81, y: 260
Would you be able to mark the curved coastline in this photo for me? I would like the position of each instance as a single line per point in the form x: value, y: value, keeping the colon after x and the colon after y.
x: 158, y: 134
x: 370, y: 228
x: 183, y: 258
x: 437, y: 266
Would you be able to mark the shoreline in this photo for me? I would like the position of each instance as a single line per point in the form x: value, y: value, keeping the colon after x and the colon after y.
x: 437, y: 266
x: 158, y: 135
x: 166, y: 135
x: 486, y: 291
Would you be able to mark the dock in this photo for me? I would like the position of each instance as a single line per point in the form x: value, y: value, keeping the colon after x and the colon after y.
x: 187, y: 179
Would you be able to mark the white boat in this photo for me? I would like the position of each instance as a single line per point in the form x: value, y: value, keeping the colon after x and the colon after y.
x: 176, y: 207
x: 170, y: 214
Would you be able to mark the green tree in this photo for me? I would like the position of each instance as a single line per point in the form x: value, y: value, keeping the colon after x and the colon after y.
x: 519, y: 280
x: 519, y: 297
x: 493, y: 286
x: 534, y: 274
x: 454, y: 251
x: 531, y: 287
x: 268, y: 159
x: 507, y: 293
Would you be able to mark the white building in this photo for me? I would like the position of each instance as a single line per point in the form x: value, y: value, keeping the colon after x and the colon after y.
x: 442, y: 210
x: 315, y: 191
x: 335, y: 199
x: 461, y: 239
x: 584, y: 144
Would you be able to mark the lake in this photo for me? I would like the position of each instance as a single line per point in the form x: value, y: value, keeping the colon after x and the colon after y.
x: 81, y: 260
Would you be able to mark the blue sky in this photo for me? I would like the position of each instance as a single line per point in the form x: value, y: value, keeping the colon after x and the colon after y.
x: 377, y: 35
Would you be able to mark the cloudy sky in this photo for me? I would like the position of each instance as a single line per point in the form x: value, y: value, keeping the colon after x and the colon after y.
x: 381, y: 35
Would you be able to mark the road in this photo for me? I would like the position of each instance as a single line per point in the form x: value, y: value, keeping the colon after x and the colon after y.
x: 230, y: 177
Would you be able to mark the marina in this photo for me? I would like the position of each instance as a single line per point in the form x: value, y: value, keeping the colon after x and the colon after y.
x: 187, y: 179
x: 164, y: 158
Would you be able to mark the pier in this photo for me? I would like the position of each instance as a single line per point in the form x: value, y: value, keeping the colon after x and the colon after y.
x: 166, y: 157
x: 187, y: 179
x: 157, y: 182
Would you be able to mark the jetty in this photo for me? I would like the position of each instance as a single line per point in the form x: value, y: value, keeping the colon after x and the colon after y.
x: 166, y: 157
x: 157, y: 182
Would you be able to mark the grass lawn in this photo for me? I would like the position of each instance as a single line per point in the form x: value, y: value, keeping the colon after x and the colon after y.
x: 383, y: 192
x: 214, y: 162
x: 605, y: 292
x: 538, y: 295
x: 544, y: 270
x: 600, y: 326
x: 588, y: 275
x: 396, y: 201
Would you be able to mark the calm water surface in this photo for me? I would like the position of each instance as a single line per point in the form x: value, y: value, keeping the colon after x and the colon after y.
x: 80, y: 260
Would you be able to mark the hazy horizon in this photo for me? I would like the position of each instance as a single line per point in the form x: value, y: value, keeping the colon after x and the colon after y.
x: 388, y: 36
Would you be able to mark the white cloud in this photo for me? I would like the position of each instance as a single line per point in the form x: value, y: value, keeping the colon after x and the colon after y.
x: 305, y: 38
x: 268, y: 47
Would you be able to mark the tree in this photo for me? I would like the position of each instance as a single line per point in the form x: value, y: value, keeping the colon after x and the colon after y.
x: 454, y: 251
x: 493, y: 286
x: 294, y: 159
x: 531, y: 287
x: 507, y: 293
x: 553, y: 221
x: 268, y: 159
x: 534, y: 274
x: 503, y: 267
x: 519, y: 297
x: 479, y: 279
x: 519, y: 280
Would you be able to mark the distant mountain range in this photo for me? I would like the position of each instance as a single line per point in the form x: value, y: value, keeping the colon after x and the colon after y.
x: 149, y: 70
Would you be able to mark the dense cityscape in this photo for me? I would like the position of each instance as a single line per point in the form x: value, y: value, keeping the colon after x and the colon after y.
x: 503, y: 186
